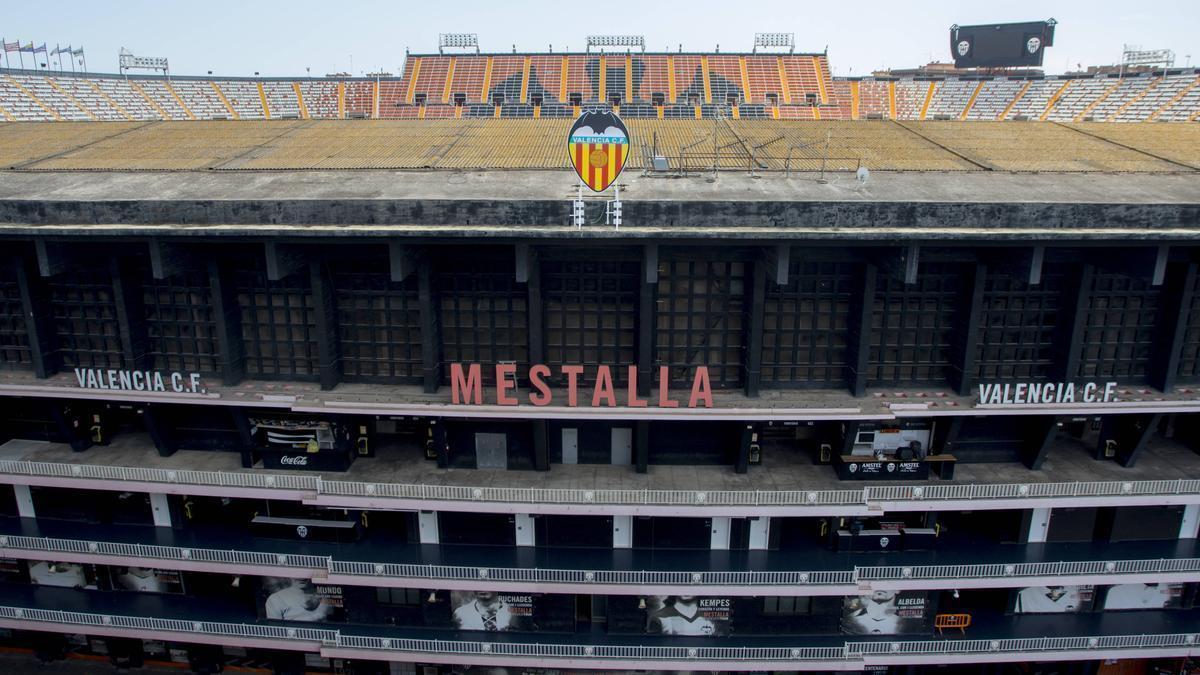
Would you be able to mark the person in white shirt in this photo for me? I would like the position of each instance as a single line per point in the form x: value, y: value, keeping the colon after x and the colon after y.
x: 681, y: 617
x: 874, y: 614
x: 483, y: 611
x: 298, y: 601
x: 1138, y: 596
x: 1048, y: 600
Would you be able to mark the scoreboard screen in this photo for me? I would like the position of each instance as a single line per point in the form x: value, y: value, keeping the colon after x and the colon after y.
x: 1001, y: 44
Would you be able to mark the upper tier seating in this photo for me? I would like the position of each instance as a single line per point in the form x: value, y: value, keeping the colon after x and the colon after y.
x: 670, y: 86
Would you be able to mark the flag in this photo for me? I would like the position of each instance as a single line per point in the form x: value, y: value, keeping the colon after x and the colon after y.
x: 41, y: 49
x: 77, y: 52
x: 27, y: 48
x: 61, y: 50
x: 12, y: 46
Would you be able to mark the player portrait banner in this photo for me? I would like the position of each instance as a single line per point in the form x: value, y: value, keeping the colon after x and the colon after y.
x: 598, y: 145
x: 492, y: 612
x: 885, y: 613
x: 687, y: 615
x: 286, y: 599
x: 1054, y: 599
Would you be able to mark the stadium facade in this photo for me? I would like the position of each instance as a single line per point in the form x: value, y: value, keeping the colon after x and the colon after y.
x: 940, y: 414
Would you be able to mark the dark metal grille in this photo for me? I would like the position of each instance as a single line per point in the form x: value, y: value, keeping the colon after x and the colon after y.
x: 1189, y: 358
x: 1118, y: 336
x: 179, y: 322
x: 278, y: 325
x: 484, y: 316
x: 379, y: 322
x: 1017, y: 324
x: 912, y: 325
x: 591, y: 314
x: 805, y: 324
x: 85, y: 319
x: 701, y: 320
x: 14, y: 340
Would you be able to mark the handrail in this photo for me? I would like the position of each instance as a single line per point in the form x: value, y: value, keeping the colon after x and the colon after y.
x: 311, y: 485
x: 375, y: 570
x: 849, y: 651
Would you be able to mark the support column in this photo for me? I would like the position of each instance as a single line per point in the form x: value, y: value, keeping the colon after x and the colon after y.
x: 622, y: 531
x: 647, y: 318
x: 227, y: 323
x: 1042, y: 432
x: 24, y: 501
x: 329, y: 356
x: 719, y: 538
x: 741, y: 463
x: 859, y: 352
x: 535, y: 312
x: 431, y: 339
x: 526, y: 529
x: 161, y: 508
x: 641, y: 446
x: 752, y: 360
x: 966, y: 333
x: 159, y: 431
x: 1039, y: 526
x: 1129, y: 433
x: 1070, y: 333
x: 541, y: 445
x: 760, y: 533
x: 39, y: 318
x: 242, y: 423
x: 131, y: 314
x: 1172, y: 324
x: 440, y: 445
x: 1189, y: 527
x: 73, y: 425
x: 427, y: 525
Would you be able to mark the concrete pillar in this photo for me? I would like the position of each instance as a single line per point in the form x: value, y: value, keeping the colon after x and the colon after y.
x: 1190, y: 525
x: 719, y: 539
x: 427, y: 523
x: 622, y: 531
x: 1039, y: 525
x: 760, y: 533
x: 161, y: 509
x: 526, y: 530
x: 24, y: 501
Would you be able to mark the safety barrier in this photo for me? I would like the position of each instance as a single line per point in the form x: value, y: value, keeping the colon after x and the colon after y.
x: 312, y: 485
x: 367, y: 571
x: 874, y: 652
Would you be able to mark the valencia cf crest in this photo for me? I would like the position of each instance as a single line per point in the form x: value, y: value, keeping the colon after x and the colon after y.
x: 599, y: 146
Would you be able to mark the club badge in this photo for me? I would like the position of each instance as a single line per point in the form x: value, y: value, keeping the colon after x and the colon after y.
x: 598, y: 145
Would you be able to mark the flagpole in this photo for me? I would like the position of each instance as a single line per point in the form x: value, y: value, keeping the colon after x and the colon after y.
x: 2, y: 43
x: 21, y: 54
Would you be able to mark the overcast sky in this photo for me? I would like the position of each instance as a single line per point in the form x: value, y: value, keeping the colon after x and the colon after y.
x: 239, y: 37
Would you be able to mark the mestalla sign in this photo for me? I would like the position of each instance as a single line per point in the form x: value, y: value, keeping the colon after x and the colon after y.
x: 466, y: 387
x: 1047, y: 393
x: 113, y: 379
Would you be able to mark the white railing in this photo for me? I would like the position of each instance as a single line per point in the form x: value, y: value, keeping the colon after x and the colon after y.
x: 369, y: 570
x: 1042, y: 569
x: 849, y: 651
x: 315, y: 485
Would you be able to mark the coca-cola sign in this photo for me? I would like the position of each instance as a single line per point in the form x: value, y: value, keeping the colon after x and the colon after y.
x: 294, y: 460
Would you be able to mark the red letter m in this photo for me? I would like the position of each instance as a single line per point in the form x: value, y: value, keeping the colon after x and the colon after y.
x: 467, y: 389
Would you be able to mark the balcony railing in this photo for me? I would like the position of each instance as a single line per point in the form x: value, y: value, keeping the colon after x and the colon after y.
x: 852, y: 652
x: 314, y: 485
x: 368, y: 571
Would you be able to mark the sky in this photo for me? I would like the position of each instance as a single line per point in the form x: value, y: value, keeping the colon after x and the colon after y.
x: 288, y: 38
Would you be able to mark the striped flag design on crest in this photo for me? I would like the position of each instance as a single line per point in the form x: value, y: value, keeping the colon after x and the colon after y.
x: 598, y: 147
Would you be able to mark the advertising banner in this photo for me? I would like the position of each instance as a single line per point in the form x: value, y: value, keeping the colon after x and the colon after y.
x: 1054, y: 599
x: 146, y: 580
x: 687, y: 615
x: 64, y: 574
x: 491, y: 611
x: 1144, y: 596
x: 301, y: 600
x: 885, y: 613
